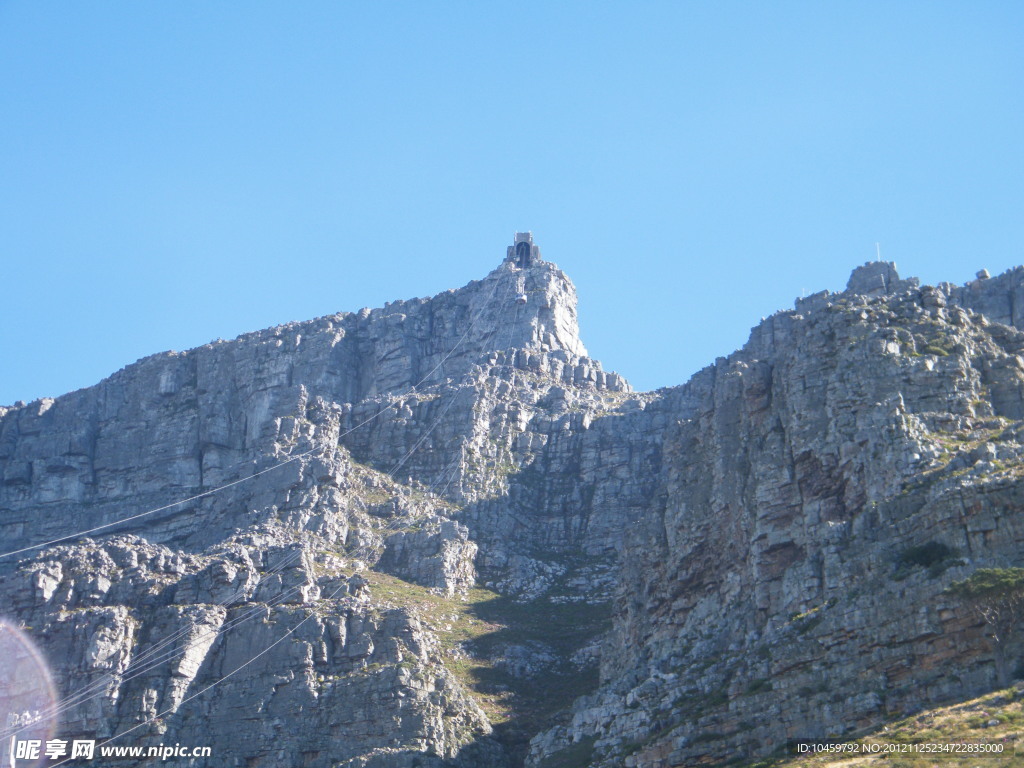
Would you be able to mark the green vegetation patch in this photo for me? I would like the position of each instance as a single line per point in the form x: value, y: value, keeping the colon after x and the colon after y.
x: 987, y: 583
x: 758, y: 686
x: 472, y: 632
x: 935, y: 556
x: 576, y: 755
x: 967, y: 722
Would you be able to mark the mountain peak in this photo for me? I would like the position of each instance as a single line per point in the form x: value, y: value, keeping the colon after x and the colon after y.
x: 532, y: 303
x: 878, y: 278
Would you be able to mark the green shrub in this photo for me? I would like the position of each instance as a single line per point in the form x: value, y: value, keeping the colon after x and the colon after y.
x: 933, y: 555
x: 996, y: 596
x: 927, y: 555
x: 761, y: 684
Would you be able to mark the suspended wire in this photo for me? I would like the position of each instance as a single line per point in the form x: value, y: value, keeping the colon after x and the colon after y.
x: 95, y: 690
x: 288, y: 633
x: 448, y: 471
x: 151, y: 661
x: 451, y: 470
x: 377, y: 414
x: 451, y: 477
x: 151, y: 658
x: 437, y: 420
x: 210, y: 492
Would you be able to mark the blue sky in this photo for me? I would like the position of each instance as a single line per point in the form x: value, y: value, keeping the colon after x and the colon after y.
x: 171, y: 173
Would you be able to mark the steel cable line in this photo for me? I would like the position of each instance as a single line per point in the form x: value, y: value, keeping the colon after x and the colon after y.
x: 260, y: 608
x: 292, y: 630
x: 358, y: 554
x: 146, y: 660
x: 95, y: 690
x: 288, y: 633
x: 412, y: 388
x: 437, y: 419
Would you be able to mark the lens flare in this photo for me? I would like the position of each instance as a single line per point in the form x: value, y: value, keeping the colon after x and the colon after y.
x: 27, y: 700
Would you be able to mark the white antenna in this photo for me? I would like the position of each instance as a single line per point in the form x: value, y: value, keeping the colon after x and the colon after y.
x: 878, y: 252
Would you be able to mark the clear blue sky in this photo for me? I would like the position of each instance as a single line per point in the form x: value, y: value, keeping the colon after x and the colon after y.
x: 175, y: 172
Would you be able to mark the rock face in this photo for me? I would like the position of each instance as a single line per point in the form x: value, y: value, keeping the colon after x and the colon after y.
x: 353, y: 483
x: 773, y: 592
x: 307, y: 454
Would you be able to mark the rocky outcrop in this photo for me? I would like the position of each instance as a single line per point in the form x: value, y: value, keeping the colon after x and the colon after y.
x: 306, y: 454
x: 437, y: 553
x: 774, y: 594
x: 773, y: 538
x: 266, y: 649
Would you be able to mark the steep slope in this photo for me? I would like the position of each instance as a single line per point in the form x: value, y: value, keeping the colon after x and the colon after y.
x: 413, y: 535
x: 984, y: 731
x: 306, y: 454
x: 774, y: 593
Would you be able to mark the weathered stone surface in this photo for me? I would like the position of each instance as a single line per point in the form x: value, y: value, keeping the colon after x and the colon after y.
x: 363, y: 439
x: 749, y: 527
x: 765, y: 597
x: 878, y: 278
x: 437, y: 553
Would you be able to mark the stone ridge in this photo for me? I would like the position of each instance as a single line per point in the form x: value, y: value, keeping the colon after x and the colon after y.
x: 176, y: 424
x: 747, y: 530
x: 393, y: 347
x: 285, y: 548
x: 768, y: 595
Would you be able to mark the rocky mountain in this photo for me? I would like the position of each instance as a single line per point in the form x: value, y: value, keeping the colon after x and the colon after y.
x: 438, y: 534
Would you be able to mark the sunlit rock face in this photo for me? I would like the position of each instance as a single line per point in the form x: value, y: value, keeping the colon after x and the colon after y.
x: 395, y: 537
x: 819, y: 489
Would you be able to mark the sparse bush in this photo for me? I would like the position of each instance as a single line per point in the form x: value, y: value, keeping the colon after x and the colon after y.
x: 927, y: 555
x: 761, y: 684
x: 933, y: 555
x: 996, y: 596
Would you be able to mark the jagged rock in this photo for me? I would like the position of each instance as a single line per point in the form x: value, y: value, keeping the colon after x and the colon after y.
x: 799, y: 471
x: 437, y: 553
x: 750, y: 527
x: 878, y: 278
x: 527, y: 660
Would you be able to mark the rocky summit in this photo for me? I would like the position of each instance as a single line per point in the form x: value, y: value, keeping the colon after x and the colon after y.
x: 439, y: 534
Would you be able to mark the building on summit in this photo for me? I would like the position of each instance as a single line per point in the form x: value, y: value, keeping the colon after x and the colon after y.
x: 523, y: 253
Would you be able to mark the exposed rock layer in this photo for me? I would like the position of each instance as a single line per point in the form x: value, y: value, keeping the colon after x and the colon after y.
x: 750, y: 527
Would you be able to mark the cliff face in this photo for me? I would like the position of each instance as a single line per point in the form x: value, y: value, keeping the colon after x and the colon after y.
x: 433, y: 507
x: 348, y: 442
x: 773, y: 593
